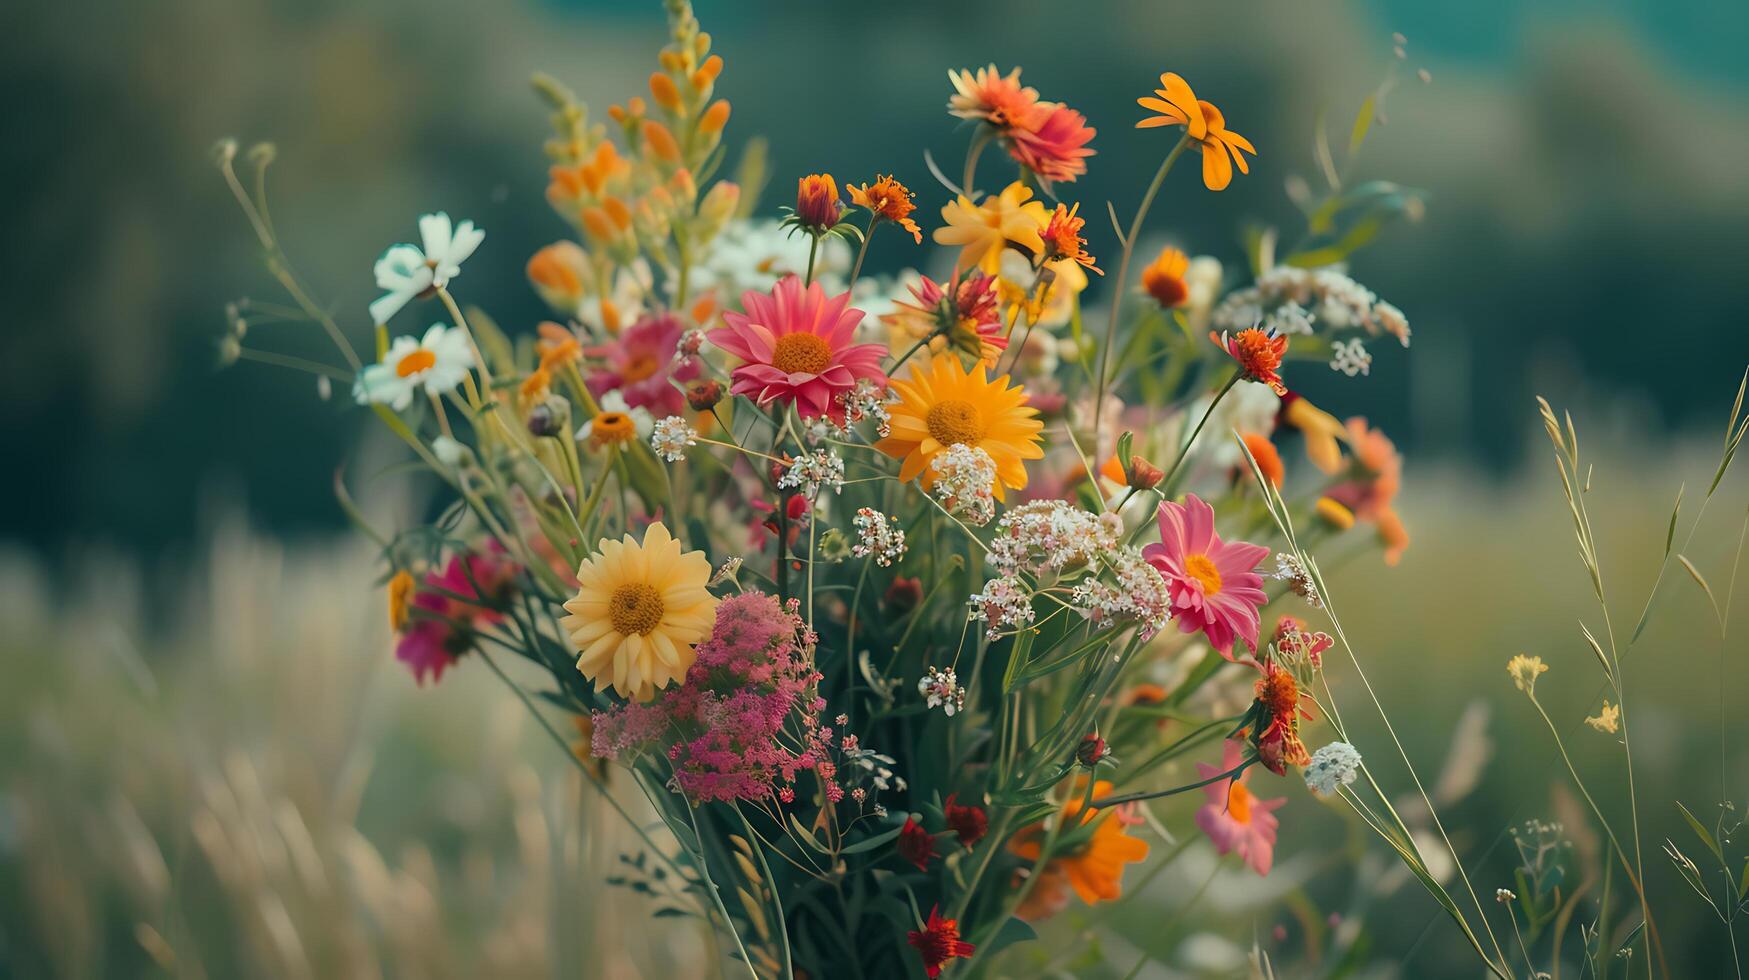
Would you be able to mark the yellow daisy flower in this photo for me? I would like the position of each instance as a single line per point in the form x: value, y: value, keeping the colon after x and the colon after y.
x: 983, y: 230
x: 943, y: 405
x: 639, y: 609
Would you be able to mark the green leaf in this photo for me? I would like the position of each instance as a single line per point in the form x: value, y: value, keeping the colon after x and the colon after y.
x: 871, y: 843
x: 1013, y: 931
x: 1705, y: 835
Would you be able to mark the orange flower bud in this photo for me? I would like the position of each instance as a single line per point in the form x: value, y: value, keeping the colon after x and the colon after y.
x: 707, y: 73
x: 714, y: 118
x: 664, y: 91
x: 1267, y: 457
x: 661, y: 141
x: 558, y: 271
x: 617, y: 113
x: 705, y: 309
x: 617, y: 210
x: 1142, y: 474
x: 817, y: 204
x: 596, y: 222
x: 635, y: 106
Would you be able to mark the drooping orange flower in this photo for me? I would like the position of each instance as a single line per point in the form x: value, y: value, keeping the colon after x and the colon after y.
x: 1221, y: 148
x: 1093, y: 870
x: 1321, y: 430
x: 1164, y: 278
x: 887, y: 199
x: 1063, y: 239
x: 557, y: 346
x: 1393, y: 534
x: 1259, y: 355
x: 1283, y: 705
x: 1177, y: 105
x: 559, y: 273
x: 817, y: 204
x: 1267, y: 456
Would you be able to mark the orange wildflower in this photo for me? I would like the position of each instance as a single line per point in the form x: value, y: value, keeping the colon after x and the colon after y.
x: 664, y: 91
x: 1164, y: 278
x: 1259, y: 355
x: 1094, y: 867
x: 992, y: 97
x: 1320, y: 429
x: 715, y: 117
x: 1221, y: 148
x: 1280, y: 700
x: 887, y: 198
x: 1063, y: 239
x: 558, y: 272
x: 557, y: 345
x: 400, y: 597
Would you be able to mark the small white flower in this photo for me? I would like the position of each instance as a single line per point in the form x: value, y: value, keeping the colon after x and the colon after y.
x: 406, y: 271
x: 437, y: 362
x: 1349, y: 357
x: 1290, y: 317
x: 820, y: 469
x: 1005, y: 602
x: 877, y: 536
x: 941, y: 689
x: 1332, y: 766
x: 671, y: 437
x: 1289, y: 569
x: 965, y: 480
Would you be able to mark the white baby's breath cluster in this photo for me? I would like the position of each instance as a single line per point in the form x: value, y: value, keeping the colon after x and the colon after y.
x: 965, y: 480
x: 1294, y: 300
x: 671, y: 437
x: 1005, y: 604
x: 820, y: 469
x: 877, y: 536
x: 1332, y: 766
x: 1136, y: 594
x: 941, y: 689
x: 1350, y: 357
x: 1051, y: 537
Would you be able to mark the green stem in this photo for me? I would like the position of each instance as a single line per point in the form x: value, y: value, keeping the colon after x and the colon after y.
x: 862, y: 253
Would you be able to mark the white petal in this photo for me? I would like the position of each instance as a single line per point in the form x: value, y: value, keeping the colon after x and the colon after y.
x: 434, y: 230
x: 384, y: 307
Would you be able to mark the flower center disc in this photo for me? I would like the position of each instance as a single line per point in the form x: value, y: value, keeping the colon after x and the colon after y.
x: 1201, y: 568
x: 613, y: 427
x: 801, y: 353
x: 635, y: 609
x: 953, y: 421
x: 415, y: 362
x: 1239, y: 803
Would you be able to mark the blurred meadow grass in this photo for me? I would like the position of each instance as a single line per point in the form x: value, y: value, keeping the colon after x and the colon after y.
x: 245, y: 783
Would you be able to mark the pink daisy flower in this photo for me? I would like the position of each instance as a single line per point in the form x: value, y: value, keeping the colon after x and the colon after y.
x: 1055, y: 147
x: 640, y: 362
x: 1235, y: 820
x: 797, y: 347
x: 1211, y: 582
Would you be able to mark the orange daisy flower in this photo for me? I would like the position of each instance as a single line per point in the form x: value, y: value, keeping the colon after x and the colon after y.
x: 1221, y: 148
x: 992, y: 97
x: 887, y: 198
x: 1063, y: 238
x: 1164, y: 278
x: 1259, y: 355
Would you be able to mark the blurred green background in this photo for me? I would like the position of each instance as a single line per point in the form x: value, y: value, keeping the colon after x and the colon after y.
x: 1585, y: 238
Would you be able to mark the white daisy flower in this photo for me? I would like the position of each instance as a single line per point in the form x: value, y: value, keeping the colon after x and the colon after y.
x: 617, y: 423
x: 437, y: 362
x: 407, y: 271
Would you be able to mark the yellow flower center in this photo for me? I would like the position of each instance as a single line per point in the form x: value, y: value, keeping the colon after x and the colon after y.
x: 953, y: 421
x: 415, y: 362
x: 612, y: 427
x: 801, y: 353
x: 1201, y: 568
x: 635, y: 609
x: 1239, y: 803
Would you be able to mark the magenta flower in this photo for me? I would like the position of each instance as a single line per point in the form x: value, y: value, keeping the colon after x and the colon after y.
x: 450, y: 605
x: 640, y: 363
x: 1211, y: 582
x: 1235, y: 820
x: 797, y: 345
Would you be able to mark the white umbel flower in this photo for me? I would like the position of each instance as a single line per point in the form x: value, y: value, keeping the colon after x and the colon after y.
x: 1332, y: 766
x: 407, y: 271
x: 436, y: 362
x: 671, y: 437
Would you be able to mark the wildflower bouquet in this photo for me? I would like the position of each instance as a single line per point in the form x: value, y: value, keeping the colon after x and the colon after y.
x: 869, y: 582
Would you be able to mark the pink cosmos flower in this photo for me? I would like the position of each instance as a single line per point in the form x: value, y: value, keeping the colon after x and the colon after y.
x: 1235, y: 820
x: 1212, y: 583
x: 797, y: 347
x: 640, y: 362
x: 1056, y: 147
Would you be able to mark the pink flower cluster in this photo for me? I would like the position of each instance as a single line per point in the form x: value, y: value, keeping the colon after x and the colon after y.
x: 720, y: 725
x: 450, y: 606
